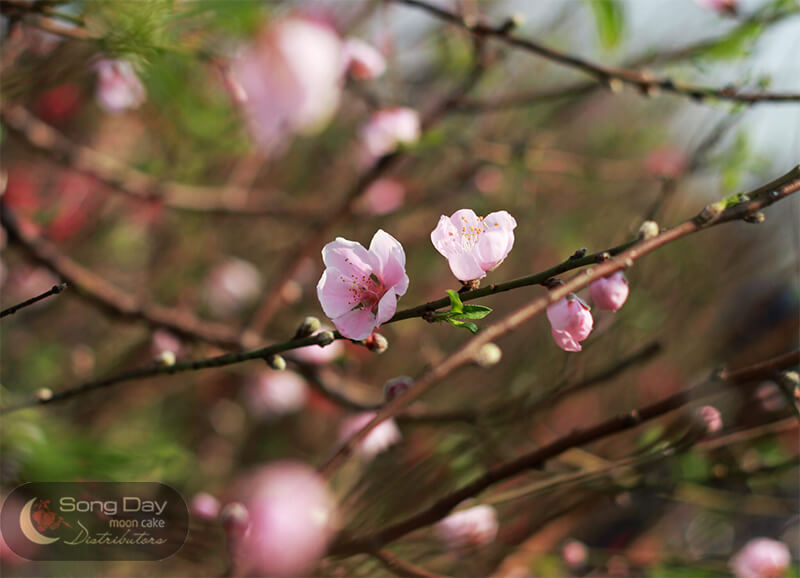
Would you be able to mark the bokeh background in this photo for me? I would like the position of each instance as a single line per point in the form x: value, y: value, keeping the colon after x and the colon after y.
x: 579, y: 171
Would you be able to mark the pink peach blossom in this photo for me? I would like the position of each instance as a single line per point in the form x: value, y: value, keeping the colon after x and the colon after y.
x: 359, y: 288
x: 205, y: 506
x: 388, y: 129
x: 292, y: 79
x: 378, y: 440
x: 761, y: 558
x: 292, y: 516
x: 382, y: 197
x: 710, y: 417
x: 118, y: 86
x: 362, y: 60
x: 275, y: 393
x: 610, y: 293
x: 231, y: 286
x: 574, y: 553
x: 468, y: 529
x: 474, y: 245
x: 571, y: 322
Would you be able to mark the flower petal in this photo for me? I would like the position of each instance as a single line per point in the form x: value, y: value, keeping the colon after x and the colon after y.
x: 391, y: 260
x: 349, y: 257
x: 357, y: 324
x: 565, y: 341
x: 386, y: 307
x: 446, y: 238
x: 465, y: 267
x: 334, y: 293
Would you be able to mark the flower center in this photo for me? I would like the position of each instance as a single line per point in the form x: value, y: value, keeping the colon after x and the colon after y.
x: 365, y: 291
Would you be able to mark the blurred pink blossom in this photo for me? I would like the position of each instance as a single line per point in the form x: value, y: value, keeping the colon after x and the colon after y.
x: 711, y: 418
x: 382, y: 197
x: 359, y: 288
x: 292, y: 516
x: 468, y: 529
x: 729, y: 7
x: 761, y: 558
x: 362, y: 60
x: 666, y: 163
x: 231, y: 286
x: 292, y: 78
x: 388, y: 129
x: 610, y: 293
x: 396, y: 386
x: 163, y: 340
x: 275, y: 393
x: 378, y: 440
x: 118, y: 86
x: 574, y: 553
x: 571, y: 322
x: 770, y: 396
x: 319, y: 355
x: 474, y: 245
x: 204, y: 506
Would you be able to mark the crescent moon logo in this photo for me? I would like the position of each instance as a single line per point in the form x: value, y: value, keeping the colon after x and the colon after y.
x: 27, y: 528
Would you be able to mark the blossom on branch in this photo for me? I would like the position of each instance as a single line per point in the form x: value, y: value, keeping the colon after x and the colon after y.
x: 118, y: 86
x: 761, y: 558
x: 474, y: 245
x: 359, y: 288
x: 379, y: 439
x: 571, y: 322
x: 290, y: 79
x: 388, y: 129
x: 468, y: 529
x: 610, y: 293
x: 362, y: 60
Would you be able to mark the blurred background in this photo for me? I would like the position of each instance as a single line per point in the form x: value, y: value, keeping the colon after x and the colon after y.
x: 132, y: 164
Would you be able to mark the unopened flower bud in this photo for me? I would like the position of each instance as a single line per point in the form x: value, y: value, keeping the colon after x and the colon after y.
x: 325, y: 338
x: 396, y: 386
x: 755, y: 218
x: 710, y: 418
x: 204, y: 506
x: 648, y: 230
x: 276, y: 362
x: 488, y: 355
x: 376, y: 343
x: 574, y: 553
x: 235, y: 519
x: 166, y: 358
x: 44, y: 394
x: 710, y: 212
x: 309, y: 326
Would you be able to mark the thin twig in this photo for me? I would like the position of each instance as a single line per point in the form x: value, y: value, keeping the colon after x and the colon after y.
x: 537, y: 457
x: 55, y: 290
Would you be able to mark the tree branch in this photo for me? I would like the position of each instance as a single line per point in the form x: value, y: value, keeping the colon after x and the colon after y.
x: 55, y: 290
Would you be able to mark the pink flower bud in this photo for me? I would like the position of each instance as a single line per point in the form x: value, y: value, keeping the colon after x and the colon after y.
x: 275, y: 393
x: 468, y: 529
x: 378, y: 440
x: 377, y: 343
x: 574, y: 553
x: 292, y: 516
x: 205, y: 506
x: 359, y: 288
x: 710, y: 418
x: 474, y: 245
x: 292, y: 79
x: 396, y: 386
x: 388, y: 129
x: 571, y: 322
x: 761, y: 558
x: 362, y: 60
x: 610, y: 293
x: 118, y: 87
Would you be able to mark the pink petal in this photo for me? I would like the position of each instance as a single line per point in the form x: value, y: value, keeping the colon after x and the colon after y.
x: 465, y: 219
x: 565, y: 341
x: 363, y: 60
x: 357, y: 324
x: 446, y: 238
x: 387, y: 306
x: 333, y: 292
x: 465, y: 267
x: 349, y: 257
x: 559, y: 315
x: 391, y: 261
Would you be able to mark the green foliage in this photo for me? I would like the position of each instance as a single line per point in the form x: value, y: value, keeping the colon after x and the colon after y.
x: 695, y: 467
x: 458, y: 312
x: 609, y: 19
x: 734, y: 45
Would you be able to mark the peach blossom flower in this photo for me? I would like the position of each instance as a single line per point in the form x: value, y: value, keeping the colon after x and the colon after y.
x: 710, y: 418
x: 474, y: 245
x: 761, y: 558
x: 378, y: 440
x: 118, y: 86
x: 468, y: 529
x: 292, y: 79
x: 574, y: 553
x: 610, y: 293
x: 388, y: 129
x: 204, y: 506
x: 382, y: 197
x: 275, y: 393
x: 292, y: 516
x: 570, y: 321
x: 362, y: 60
x: 359, y: 288
x: 231, y: 286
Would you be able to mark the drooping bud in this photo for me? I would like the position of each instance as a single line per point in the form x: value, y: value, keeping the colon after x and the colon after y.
x: 574, y: 553
x: 468, y: 529
x: 648, y: 230
x: 235, y: 519
x: 325, y: 338
x: 44, y: 394
x: 396, y: 386
x: 710, y: 418
x: 166, y: 358
x: 610, y: 293
x: 276, y: 362
x: 755, y: 218
x: 488, y: 355
x: 309, y: 326
x: 376, y: 343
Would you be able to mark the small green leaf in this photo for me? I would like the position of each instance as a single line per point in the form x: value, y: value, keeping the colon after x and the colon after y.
x: 456, y: 306
x: 609, y: 18
x: 474, y: 312
x: 465, y: 324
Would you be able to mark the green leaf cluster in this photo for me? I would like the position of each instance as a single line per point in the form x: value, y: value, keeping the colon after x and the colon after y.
x: 459, y: 315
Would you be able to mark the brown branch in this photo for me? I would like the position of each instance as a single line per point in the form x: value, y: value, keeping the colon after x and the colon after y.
x: 134, y: 183
x: 100, y: 292
x: 712, y: 215
x: 537, y: 457
x: 55, y: 290
x: 605, y: 75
